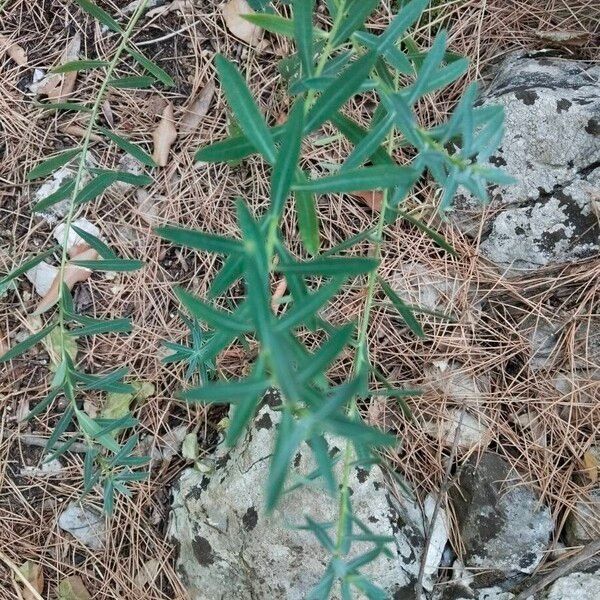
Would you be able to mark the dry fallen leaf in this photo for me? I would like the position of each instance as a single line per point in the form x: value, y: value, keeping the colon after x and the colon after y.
x: 41, y: 277
x: 591, y: 466
x: 72, y: 275
x: 78, y: 131
x: 14, y: 51
x: 72, y: 588
x: 57, y: 86
x: 564, y: 38
x: 108, y: 113
x: 148, y: 573
x: 373, y: 199
x: 242, y: 29
x: 181, y: 5
x: 197, y: 111
x: 34, y: 574
x: 164, y: 136
x: 278, y: 294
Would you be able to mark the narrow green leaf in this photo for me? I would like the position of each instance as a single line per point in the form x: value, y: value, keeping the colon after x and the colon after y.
x: 355, y: 15
x: 355, y: 133
x: 320, y: 450
x: 51, y: 164
x: 309, y: 306
x: 226, y: 393
x: 98, y: 13
x: 61, y: 193
x: 434, y: 235
x: 233, y: 149
x: 213, y: 317
x: 152, y: 67
x: 132, y: 82
x: 351, y: 241
x: 118, y: 265
x: 248, y: 115
x: 129, y: 147
x: 104, y: 179
x: 230, y: 272
x: 407, y: 16
x: 79, y: 65
x: 109, y: 382
x: 287, y: 159
x: 303, y: 33
x: 200, y: 240
x: 67, y: 106
x: 42, y: 405
x: 60, y: 427
x: 370, y: 143
x: 98, y: 326
x: 404, y: 310
x: 29, y: 264
x: 289, y: 437
x: 339, y: 91
x: 354, y: 180
x: 96, y: 243
x: 324, y: 356
x: 93, y: 188
x: 430, y: 64
x: 332, y: 265
x: 272, y: 23
x: 23, y: 346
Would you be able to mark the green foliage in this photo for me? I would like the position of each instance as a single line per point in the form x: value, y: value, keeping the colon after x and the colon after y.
x: 330, y: 68
x: 112, y: 459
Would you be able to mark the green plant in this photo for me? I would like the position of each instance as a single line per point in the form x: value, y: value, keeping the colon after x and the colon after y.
x: 110, y: 460
x: 329, y: 69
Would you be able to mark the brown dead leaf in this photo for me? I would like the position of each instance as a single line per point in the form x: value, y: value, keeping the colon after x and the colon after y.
x: 34, y: 574
x: 72, y: 275
x: 164, y: 135
x: 373, y: 199
x: 197, y: 111
x: 242, y: 29
x: 278, y: 294
x: 591, y: 466
x: 182, y: 5
x: 78, y: 131
x: 4, y: 347
x: 57, y: 86
x: 564, y: 38
x: 72, y: 588
x: 108, y: 113
x: 14, y: 51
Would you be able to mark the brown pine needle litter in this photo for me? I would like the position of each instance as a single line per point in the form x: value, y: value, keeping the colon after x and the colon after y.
x: 543, y: 431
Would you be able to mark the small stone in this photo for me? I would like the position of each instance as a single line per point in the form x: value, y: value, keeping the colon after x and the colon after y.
x: 86, y: 524
x: 576, y: 586
x: 552, y: 148
x: 583, y: 522
x: 501, y: 524
x: 228, y: 546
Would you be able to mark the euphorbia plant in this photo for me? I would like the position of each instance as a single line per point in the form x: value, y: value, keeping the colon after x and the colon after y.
x: 330, y: 68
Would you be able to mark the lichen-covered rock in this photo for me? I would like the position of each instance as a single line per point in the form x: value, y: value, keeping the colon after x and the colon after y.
x: 576, y: 586
x: 552, y: 148
x: 583, y: 522
x: 229, y: 548
x: 502, y: 526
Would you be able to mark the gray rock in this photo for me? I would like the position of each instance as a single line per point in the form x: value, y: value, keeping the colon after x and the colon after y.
x: 85, y: 524
x: 583, y: 522
x: 502, y: 526
x: 576, y: 586
x: 229, y: 548
x: 552, y: 148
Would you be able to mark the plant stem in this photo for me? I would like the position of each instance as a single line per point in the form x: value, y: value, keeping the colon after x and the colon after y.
x: 361, y: 358
x: 81, y: 167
